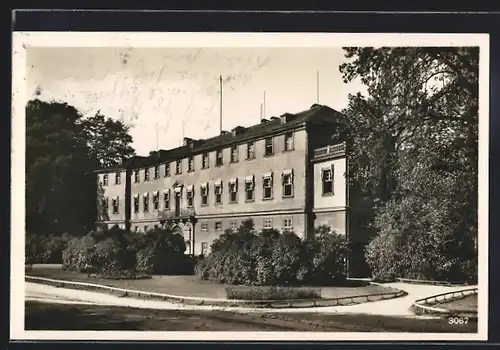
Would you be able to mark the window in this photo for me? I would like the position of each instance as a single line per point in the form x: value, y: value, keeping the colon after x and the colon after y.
x: 146, y: 174
x: 145, y: 228
x: 204, y: 248
x: 190, y: 196
x: 233, y: 191
x: 156, y: 200
x: 234, y: 154
x: 136, y: 176
x: 218, y: 226
x: 188, y: 247
x: 167, y: 169
x: 204, y: 227
x: 268, y: 224
x: 289, y: 141
x: 269, y: 151
x: 251, y: 150
x: 136, y: 204
x: 204, y: 161
x: 105, y: 204
x: 267, y: 186
x: 105, y: 180
x: 234, y: 226
x: 249, y: 188
x: 218, y: 193
x: 218, y: 158
x: 166, y: 200
x: 157, y: 172
x: 204, y: 194
x: 191, y: 164
x: 136, y: 228
x: 115, y: 205
x: 327, y: 180
x: 178, y: 167
x: 145, y: 199
x: 287, y: 224
x: 118, y: 179
x: 287, y: 183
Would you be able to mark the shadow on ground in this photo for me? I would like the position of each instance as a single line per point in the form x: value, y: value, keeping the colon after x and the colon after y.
x: 45, y: 316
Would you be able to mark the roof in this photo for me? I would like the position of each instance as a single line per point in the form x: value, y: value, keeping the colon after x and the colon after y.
x: 273, y: 126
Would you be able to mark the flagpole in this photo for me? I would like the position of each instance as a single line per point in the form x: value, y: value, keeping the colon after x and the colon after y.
x: 264, y: 106
x: 220, y: 87
x: 317, y: 86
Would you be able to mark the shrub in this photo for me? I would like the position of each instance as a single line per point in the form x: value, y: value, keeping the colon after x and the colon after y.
x: 269, y: 258
x: 41, y: 249
x: 327, y: 252
x: 160, y: 251
x: 104, y: 253
x: 272, y: 293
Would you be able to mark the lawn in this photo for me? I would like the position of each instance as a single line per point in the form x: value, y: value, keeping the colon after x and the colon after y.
x: 45, y: 316
x: 187, y: 285
x: 465, y: 304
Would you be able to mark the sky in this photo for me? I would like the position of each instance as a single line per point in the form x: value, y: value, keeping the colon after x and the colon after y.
x: 166, y: 94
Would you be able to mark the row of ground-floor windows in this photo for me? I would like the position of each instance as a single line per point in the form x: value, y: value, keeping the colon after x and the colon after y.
x: 233, y: 225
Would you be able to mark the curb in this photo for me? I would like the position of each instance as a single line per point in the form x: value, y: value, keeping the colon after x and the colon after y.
x: 435, y: 283
x: 274, y: 304
x: 426, y: 306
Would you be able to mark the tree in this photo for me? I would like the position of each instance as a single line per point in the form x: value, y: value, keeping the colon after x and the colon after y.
x: 61, y: 156
x: 108, y: 140
x: 417, y: 125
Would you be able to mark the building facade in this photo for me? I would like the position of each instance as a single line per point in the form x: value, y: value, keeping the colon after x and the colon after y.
x: 286, y: 173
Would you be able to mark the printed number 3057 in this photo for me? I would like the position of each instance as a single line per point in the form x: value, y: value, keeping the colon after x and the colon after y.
x: 458, y: 320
